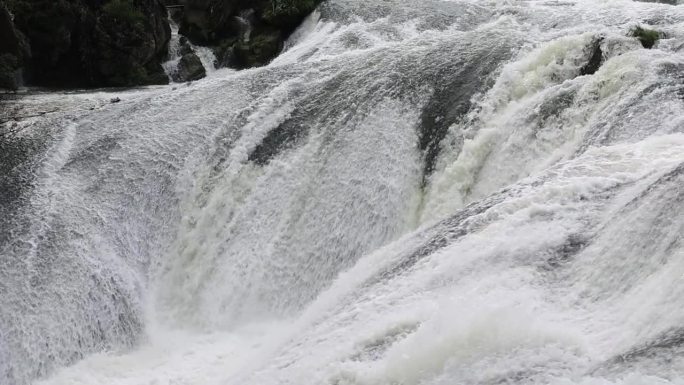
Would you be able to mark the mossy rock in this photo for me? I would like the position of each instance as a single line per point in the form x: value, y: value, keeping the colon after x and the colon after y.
x: 287, y: 13
x: 647, y: 37
x: 260, y: 50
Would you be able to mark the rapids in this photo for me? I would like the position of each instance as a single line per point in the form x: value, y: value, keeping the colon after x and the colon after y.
x: 415, y: 192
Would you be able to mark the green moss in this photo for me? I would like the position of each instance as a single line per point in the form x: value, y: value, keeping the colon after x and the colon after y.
x: 123, y: 10
x: 647, y: 37
x: 291, y: 7
x: 287, y: 13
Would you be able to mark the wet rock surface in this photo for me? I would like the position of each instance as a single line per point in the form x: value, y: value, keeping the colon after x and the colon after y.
x: 13, y: 50
x: 92, y: 43
x: 244, y: 34
x: 189, y: 68
x: 596, y: 59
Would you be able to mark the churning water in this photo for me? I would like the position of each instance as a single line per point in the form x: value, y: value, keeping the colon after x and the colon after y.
x: 416, y: 192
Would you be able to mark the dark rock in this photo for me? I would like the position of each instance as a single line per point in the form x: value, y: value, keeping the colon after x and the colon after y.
x: 157, y: 78
x: 9, y: 65
x: 670, y: 2
x: 596, y: 59
x: 114, y: 100
x: 140, y: 30
x: 225, y: 55
x: 189, y: 68
x: 14, y: 51
x: 286, y: 14
x: 175, y: 9
x: 243, y: 33
x: 261, y: 49
x: 185, y: 48
x: 92, y: 43
x: 243, y: 24
x: 647, y: 37
x: 207, y: 21
x: 284, y: 136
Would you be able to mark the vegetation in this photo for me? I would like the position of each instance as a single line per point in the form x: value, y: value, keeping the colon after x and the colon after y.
x: 647, y: 37
x: 79, y: 43
x: 123, y: 10
x: 288, y: 13
x: 292, y: 7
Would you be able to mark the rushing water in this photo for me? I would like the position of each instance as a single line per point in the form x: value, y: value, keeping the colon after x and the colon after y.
x: 205, y: 54
x: 415, y: 192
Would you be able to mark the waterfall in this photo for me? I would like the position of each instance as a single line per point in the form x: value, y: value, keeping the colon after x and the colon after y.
x: 416, y: 192
x: 245, y: 22
x: 205, y: 54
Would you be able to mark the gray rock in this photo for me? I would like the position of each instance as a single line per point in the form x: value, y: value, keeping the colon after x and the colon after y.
x: 189, y: 68
x: 185, y: 48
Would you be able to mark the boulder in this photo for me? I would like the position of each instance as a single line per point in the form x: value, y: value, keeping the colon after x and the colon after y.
x: 647, y: 37
x: 189, y: 68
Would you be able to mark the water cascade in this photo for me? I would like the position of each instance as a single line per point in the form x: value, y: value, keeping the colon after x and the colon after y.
x: 415, y: 192
x: 205, y: 54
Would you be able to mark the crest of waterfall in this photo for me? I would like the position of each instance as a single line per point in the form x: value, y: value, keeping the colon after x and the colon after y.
x: 415, y: 192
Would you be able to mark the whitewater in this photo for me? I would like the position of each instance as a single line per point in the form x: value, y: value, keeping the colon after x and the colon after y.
x: 416, y: 192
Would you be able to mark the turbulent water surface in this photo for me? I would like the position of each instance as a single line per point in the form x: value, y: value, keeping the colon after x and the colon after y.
x: 415, y: 192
